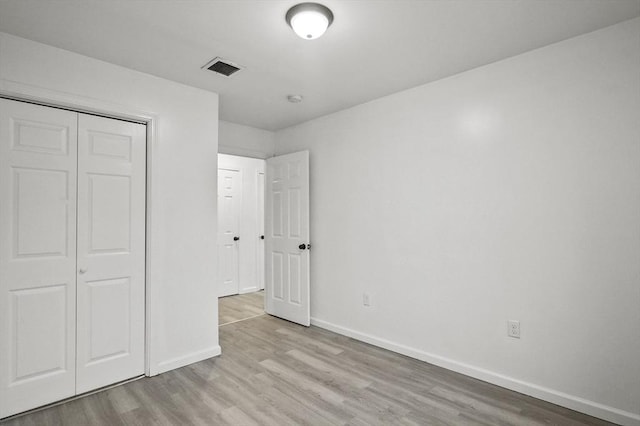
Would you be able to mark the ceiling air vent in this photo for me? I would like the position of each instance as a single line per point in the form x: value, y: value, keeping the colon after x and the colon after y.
x: 222, y: 67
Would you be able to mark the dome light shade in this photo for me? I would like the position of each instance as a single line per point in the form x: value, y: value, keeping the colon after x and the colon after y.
x: 309, y: 20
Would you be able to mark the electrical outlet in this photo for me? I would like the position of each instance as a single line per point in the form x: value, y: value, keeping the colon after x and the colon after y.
x: 366, y: 299
x: 513, y: 328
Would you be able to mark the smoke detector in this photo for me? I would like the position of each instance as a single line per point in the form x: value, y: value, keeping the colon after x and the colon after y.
x: 294, y: 99
x: 222, y: 66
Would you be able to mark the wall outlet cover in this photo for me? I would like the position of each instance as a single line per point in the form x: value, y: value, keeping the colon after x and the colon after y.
x: 366, y: 299
x: 513, y: 328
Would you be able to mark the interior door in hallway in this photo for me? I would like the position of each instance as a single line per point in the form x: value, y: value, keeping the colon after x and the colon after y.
x: 260, y: 252
x: 229, y: 190
x: 287, y: 285
x: 37, y: 255
x: 111, y: 251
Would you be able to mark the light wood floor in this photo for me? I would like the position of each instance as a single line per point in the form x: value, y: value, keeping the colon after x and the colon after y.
x: 240, y: 307
x: 272, y: 372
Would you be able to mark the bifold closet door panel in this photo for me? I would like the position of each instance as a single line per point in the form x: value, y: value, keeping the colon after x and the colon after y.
x: 37, y: 255
x: 111, y: 251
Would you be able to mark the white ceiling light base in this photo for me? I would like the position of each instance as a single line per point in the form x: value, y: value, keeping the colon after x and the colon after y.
x: 309, y: 20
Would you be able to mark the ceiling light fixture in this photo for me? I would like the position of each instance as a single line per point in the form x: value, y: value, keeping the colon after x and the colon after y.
x: 309, y: 20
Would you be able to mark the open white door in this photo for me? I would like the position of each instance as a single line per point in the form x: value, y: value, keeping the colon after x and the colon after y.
x: 287, y: 237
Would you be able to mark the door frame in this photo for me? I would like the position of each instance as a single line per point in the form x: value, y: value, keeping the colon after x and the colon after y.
x: 246, y: 166
x: 62, y: 100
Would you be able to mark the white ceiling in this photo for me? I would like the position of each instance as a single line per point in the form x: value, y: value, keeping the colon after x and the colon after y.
x: 373, y: 48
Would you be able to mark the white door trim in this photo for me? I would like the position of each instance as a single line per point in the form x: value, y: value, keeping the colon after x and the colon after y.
x: 56, y: 99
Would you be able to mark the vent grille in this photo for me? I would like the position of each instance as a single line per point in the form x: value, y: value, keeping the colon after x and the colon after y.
x: 222, y: 67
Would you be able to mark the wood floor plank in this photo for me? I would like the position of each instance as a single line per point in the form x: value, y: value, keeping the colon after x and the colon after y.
x: 240, y: 307
x: 334, y: 371
x: 273, y: 372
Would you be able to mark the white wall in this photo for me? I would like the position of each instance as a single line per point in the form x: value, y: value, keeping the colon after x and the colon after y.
x: 251, y: 220
x: 182, y: 259
x: 237, y: 139
x: 506, y: 192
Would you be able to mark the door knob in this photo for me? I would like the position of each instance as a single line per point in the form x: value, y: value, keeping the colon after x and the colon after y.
x: 82, y: 270
x: 302, y: 246
x: 262, y: 237
x: 236, y: 238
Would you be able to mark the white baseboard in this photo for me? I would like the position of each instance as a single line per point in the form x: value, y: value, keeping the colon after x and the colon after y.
x: 546, y: 394
x: 249, y: 290
x: 187, y: 359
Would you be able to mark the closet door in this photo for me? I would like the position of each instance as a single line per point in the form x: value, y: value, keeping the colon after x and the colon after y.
x: 111, y: 251
x: 37, y: 255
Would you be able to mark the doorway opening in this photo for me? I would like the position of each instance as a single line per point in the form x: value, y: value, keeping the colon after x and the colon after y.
x: 240, y: 307
x: 74, y: 196
x: 240, y: 238
x: 263, y: 234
